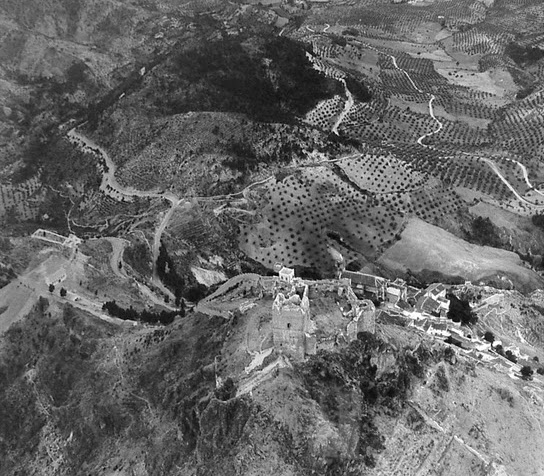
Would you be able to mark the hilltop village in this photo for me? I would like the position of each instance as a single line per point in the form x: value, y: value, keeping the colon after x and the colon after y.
x: 305, y: 316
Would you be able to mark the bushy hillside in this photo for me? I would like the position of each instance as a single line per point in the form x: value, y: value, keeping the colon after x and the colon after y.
x: 81, y: 396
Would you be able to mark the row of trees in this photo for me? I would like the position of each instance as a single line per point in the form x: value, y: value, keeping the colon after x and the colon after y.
x: 62, y: 292
x: 526, y: 371
x: 163, y: 317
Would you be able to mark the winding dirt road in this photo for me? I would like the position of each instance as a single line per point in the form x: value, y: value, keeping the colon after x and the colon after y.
x: 114, y: 189
x: 437, y: 130
x: 109, y: 182
x: 499, y: 174
x: 347, y: 106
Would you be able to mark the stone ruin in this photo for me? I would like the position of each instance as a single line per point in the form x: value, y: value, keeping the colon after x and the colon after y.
x: 293, y: 329
x: 291, y: 323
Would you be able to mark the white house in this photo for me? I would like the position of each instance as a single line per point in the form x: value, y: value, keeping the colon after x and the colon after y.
x: 287, y: 274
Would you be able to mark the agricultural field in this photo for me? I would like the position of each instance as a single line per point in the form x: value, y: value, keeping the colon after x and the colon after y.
x: 311, y: 211
x: 415, y: 164
x: 357, y: 118
x: 423, y: 246
x: 325, y: 113
x: 21, y: 201
x: 357, y: 206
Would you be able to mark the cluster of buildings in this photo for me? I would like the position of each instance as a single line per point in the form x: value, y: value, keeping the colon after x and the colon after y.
x: 308, y: 315
x: 303, y: 324
x: 296, y: 309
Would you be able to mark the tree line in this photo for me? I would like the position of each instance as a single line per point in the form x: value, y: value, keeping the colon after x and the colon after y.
x: 131, y: 314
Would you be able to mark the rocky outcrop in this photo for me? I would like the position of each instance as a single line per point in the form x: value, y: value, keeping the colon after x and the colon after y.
x: 221, y: 427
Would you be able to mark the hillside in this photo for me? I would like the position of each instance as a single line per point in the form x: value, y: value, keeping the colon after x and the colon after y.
x: 271, y: 237
x: 200, y: 102
x: 94, y: 397
x: 425, y: 247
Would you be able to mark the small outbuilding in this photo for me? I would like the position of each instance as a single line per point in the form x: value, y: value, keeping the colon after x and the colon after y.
x: 287, y: 274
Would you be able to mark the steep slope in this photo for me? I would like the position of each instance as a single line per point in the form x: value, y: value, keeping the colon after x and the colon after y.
x: 82, y: 396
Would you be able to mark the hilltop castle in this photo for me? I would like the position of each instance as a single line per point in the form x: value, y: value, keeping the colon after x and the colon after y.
x: 296, y: 321
x: 291, y: 323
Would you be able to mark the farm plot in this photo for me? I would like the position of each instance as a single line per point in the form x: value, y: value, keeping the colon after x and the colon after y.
x: 20, y: 201
x: 435, y: 204
x: 470, y: 106
x: 453, y: 168
x: 382, y: 174
x: 481, y: 40
x: 422, y: 72
x: 526, y: 16
x: 312, y: 210
x: 460, y: 134
x: 360, y: 59
x: 475, y: 175
x: 324, y: 115
x: 98, y: 210
x: 520, y: 127
x: 392, y: 123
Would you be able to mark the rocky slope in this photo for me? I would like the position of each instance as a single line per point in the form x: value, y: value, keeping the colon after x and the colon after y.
x: 80, y: 396
x: 217, y: 138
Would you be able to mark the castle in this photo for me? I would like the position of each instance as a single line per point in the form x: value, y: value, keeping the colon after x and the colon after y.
x: 295, y: 326
x: 291, y: 322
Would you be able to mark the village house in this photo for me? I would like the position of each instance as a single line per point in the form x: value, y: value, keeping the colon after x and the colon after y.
x: 437, y: 329
x: 361, y: 283
x: 287, y: 274
x: 396, y: 292
x: 427, y: 305
x: 436, y: 290
x: 432, y: 301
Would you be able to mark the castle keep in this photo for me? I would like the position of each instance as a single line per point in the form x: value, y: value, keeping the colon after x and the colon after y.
x: 291, y: 324
x: 298, y: 314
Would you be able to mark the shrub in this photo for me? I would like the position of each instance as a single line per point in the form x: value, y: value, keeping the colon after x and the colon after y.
x: 483, y: 232
x: 489, y: 337
x: 526, y: 372
x: 226, y: 391
x: 524, y: 55
x: 460, y: 311
x: 506, y: 395
x: 131, y: 314
x: 538, y: 220
x: 511, y: 357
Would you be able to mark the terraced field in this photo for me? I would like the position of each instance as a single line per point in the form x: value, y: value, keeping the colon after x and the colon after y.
x: 356, y: 205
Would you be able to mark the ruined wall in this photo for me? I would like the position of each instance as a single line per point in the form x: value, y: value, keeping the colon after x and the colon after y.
x: 367, y: 317
x: 291, y: 323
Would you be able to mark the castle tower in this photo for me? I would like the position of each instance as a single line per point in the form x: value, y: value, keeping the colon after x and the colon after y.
x: 291, y: 322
